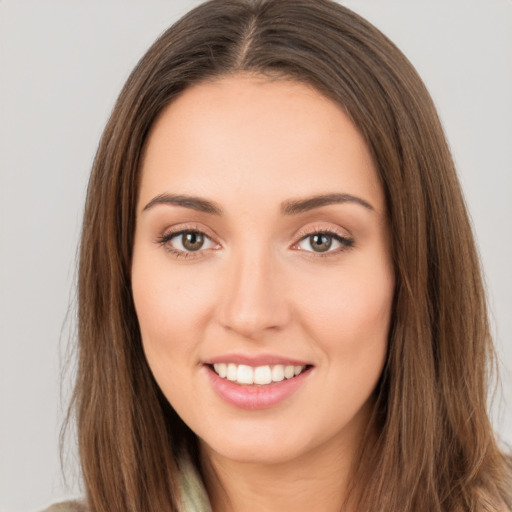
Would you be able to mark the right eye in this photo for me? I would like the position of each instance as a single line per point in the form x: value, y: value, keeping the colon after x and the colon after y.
x: 183, y: 243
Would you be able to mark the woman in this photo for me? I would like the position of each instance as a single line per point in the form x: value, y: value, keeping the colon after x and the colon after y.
x: 280, y: 301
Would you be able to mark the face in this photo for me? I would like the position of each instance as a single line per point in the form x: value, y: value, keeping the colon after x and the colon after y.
x: 261, y: 270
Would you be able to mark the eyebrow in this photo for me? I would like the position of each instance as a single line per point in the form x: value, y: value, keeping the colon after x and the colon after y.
x: 294, y: 207
x: 194, y: 203
x: 290, y: 207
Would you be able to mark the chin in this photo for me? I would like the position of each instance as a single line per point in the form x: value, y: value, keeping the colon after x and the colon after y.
x: 262, y: 444
x: 253, y: 453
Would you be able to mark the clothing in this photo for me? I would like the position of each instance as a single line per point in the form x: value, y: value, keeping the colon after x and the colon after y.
x: 194, y: 496
x: 67, y: 506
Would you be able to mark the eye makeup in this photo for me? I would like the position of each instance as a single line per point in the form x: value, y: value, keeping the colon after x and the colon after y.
x: 192, y: 242
x: 187, y: 241
x: 322, y: 241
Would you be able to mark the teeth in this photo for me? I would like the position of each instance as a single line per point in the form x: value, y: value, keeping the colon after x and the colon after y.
x: 244, y: 375
x: 289, y: 372
x: 261, y: 375
x: 221, y: 369
x: 278, y: 373
x: 232, y: 372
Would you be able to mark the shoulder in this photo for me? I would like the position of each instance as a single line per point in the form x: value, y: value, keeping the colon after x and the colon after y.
x: 67, y: 506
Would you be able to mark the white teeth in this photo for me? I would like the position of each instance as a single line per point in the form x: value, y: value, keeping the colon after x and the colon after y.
x: 221, y: 369
x: 245, y: 374
x: 261, y: 375
x: 231, y: 373
x: 278, y: 373
x: 289, y: 371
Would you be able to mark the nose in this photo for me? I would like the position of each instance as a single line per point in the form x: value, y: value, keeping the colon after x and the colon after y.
x: 254, y: 301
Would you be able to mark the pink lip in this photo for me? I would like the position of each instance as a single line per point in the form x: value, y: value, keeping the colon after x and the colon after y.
x: 259, y: 360
x: 256, y: 397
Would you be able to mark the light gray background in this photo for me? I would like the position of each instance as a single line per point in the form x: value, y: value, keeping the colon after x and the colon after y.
x: 62, y: 64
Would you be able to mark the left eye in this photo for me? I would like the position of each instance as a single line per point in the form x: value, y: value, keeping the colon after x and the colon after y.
x: 322, y: 242
x: 190, y: 241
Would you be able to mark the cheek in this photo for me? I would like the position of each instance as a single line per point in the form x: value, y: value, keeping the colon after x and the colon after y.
x: 349, y: 320
x: 170, y: 310
x: 348, y: 316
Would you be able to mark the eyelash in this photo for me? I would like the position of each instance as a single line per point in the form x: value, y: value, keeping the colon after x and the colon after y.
x: 178, y: 253
x: 345, y: 242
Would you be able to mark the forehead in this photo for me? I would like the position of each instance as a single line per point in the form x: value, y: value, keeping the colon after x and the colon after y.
x: 248, y: 134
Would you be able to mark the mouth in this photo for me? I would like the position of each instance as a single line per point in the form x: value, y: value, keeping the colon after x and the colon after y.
x: 257, y: 375
x: 255, y: 383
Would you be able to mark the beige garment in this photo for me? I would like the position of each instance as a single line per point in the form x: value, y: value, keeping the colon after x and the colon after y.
x: 68, y: 506
x: 193, y: 495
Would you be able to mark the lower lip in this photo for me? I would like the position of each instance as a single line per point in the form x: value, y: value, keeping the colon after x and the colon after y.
x: 253, y: 396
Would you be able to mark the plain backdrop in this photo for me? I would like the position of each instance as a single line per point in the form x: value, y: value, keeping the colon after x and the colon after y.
x: 62, y: 64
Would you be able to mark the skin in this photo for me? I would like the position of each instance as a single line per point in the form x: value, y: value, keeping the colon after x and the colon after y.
x: 258, y: 286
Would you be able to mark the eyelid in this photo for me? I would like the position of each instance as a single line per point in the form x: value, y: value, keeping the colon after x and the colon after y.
x: 174, y: 231
x: 169, y: 233
x: 181, y: 227
x: 342, y: 237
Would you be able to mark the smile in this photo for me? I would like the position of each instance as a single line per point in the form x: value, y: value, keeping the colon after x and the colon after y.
x: 259, y: 375
x: 257, y: 386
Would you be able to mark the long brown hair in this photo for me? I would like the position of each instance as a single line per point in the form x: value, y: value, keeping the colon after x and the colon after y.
x: 435, y: 448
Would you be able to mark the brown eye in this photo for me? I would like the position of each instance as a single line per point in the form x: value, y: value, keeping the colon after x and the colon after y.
x: 186, y: 242
x: 192, y: 241
x: 324, y: 242
x: 320, y: 242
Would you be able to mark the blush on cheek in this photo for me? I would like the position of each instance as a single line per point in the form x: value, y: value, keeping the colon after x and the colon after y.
x: 356, y: 312
x: 354, y: 324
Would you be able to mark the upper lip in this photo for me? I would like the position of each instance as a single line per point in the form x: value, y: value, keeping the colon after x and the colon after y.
x: 256, y: 360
